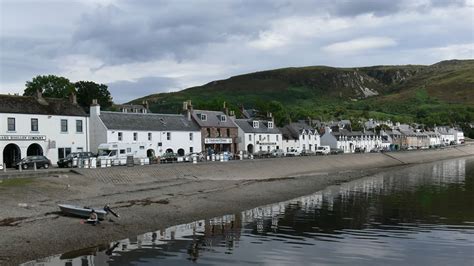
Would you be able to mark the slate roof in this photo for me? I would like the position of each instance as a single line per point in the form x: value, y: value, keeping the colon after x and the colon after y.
x: 147, y: 122
x: 213, y: 119
x: 293, y: 130
x: 247, y: 126
x: 347, y: 133
x: 14, y: 104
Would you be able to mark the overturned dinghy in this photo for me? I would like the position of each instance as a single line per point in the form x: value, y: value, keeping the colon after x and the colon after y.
x: 86, y: 211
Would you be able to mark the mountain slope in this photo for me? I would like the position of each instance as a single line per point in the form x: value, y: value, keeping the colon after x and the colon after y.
x: 325, y: 92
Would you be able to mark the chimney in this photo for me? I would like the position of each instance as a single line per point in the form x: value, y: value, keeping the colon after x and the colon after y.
x: 147, y: 106
x: 95, y: 108
x: 39, y: 97
x: 309, y: 121
x: 73, y: 98
x: 226, y: 110
x: 189, y: 109
x: 185, y: 106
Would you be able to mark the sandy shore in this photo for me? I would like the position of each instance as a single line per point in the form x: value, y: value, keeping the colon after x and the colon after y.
x: 153, y: 197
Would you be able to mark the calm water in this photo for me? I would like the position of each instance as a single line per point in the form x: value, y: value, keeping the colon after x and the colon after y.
x: 423, y: 215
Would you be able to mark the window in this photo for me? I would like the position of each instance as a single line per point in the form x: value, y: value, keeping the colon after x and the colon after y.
x: 250, y: 137
x: 120, y: 136
x: 129, y: 150
x: 34, y: 124
x: 208, y: 132
x: 191, y: 136
x: 135, y: 136
x: 260, y: 137
x: 63, y: 152
x: 149, y: 136
x: 203, y: 117
x: 11, y: 124
x: 255, y: 124
x: 168, y: 135
x: 228, y: 132
x: 160, y: 144
x: 270, y: 124
x: 79, y: 126
x: 191, y: 149
x: 218, y: 132
x: 268, y: 137
x: 303, y: 136
x: 63, y: 125
x: 223, y: 118
x: 122, y: 151
x: 277, y: 137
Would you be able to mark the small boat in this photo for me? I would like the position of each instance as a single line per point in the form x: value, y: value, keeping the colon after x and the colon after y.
x: 82, y: 211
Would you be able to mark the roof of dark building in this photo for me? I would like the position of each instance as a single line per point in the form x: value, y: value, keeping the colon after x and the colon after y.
x: 247, y: 126
x: 44, y: 106
x: 213, y: 119
x: 293, y: 130
x: 147, y: 122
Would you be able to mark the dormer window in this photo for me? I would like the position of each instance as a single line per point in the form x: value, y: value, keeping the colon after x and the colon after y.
x: 223, y: 118
x: 203, y: 117
x: 270, y: 124
x: 255, y: 124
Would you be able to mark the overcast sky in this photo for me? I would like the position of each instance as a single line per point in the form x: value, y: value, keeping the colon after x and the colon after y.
x: 140, y: 47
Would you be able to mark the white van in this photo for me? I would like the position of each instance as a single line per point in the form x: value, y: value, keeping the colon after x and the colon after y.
x: 117, y: 153
x: 323, y: 150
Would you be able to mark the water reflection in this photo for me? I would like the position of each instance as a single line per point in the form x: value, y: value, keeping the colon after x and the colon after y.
x: 419, y: 215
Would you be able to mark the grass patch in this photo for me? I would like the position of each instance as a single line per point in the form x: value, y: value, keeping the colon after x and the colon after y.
x: 15, y: 182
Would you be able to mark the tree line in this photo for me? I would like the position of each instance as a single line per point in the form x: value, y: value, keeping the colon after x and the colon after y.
x: 60, y: 87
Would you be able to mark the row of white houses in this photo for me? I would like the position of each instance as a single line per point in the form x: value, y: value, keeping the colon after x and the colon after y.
x: 34, y: 125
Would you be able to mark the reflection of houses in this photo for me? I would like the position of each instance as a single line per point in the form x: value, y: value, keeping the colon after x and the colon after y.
x: 159, y: 132
x: 349, y: 141
x: 219, y: 133
x: 300, y: 136
x: 258, y: 135
x: 41, y: 126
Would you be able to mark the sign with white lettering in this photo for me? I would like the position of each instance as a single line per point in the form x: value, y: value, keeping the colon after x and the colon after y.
x: 266, y: 143
x: 22, y: 138
x: 218, y: 141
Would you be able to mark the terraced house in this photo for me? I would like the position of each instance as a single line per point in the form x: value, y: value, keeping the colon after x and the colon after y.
x: 300, y: 136
x: 157, y: 133
x: 351, y: 141
x: 257, y: 135
x: 219, y: 133
x: 34, y: 125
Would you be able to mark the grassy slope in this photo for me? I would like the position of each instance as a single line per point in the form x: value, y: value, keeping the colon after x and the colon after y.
x: 408, y: 93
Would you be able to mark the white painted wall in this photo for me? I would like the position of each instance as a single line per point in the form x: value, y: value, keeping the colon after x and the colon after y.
x: 178, y: 140
x: 49, y: 126
x: 257, y: 139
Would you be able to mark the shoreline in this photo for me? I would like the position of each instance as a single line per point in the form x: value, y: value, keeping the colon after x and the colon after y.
x: 158, y: 196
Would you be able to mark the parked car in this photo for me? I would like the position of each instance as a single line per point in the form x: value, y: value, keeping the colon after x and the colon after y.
x: 262, y: 154
x: 307, y: 153
x: 336, y: 151
x: 29, y: 162
x: 169, y: 157
x: 323, y: 150
x: 359, y: 150
x: 68, y: 160
x: 189, y: 156
x: 245, y: 155
x: 277, y: 153
x: 293, y: 152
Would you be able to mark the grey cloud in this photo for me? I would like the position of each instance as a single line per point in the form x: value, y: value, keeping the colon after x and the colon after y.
x: 124, y: 91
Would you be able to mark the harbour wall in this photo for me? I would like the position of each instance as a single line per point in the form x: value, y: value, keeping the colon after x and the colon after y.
x: 275, y: 167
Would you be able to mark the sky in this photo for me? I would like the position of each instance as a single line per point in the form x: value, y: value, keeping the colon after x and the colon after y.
x: 141, y: 47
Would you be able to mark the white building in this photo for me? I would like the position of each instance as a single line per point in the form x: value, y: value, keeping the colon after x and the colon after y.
x: 41, y: 126
x: 449, y: 135
x: 300, y: 136
x: 349, y: 141
x: 159, y: 133
x: 258, y: 135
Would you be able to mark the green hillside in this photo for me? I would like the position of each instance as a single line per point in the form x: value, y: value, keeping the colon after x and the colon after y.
x: 436, y: 94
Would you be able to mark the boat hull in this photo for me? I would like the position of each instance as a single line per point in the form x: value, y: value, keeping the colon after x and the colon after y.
x: 81, y: 211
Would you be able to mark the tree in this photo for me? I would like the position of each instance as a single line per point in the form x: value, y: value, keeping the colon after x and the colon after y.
x: 50, y: 85
x: 88, y: 90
